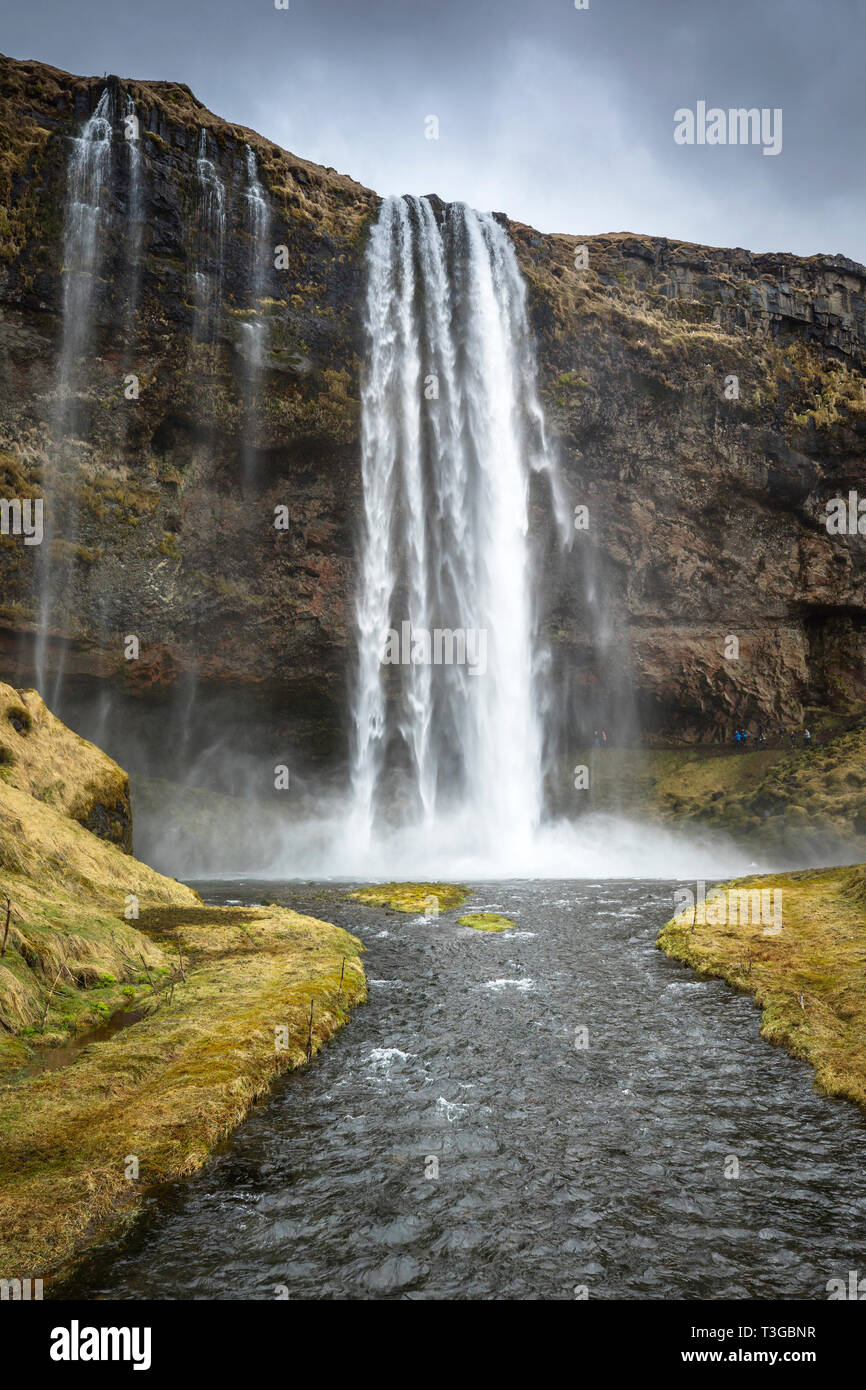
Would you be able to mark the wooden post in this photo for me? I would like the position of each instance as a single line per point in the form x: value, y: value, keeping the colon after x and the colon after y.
x: 310, y: 1034
x: 48, y: 1000
x: 6, y: 928
x: 148, y: 974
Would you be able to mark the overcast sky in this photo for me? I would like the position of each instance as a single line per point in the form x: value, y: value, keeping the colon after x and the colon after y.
x: 560, y: 117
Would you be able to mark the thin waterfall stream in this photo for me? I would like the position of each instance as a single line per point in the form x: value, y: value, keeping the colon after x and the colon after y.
x: 87, y: 171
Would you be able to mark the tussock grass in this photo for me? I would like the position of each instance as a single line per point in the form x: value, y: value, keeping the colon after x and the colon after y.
x: 412, y: 897
x: 809, y: 980
x: 170, y: 1087
x: 42, y: 757
x: 69, y: 890
x: 486, y: 921
x: 226, y: 992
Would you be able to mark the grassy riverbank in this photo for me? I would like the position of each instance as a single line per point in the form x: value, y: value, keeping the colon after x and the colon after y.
x: 221, y: 1001
x: 793, y: 803
x: 808, y: 979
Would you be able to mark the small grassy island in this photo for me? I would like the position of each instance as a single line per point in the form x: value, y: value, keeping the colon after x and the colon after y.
x: 213, y: 1003
x: 430, y: 898
x: 486, y: 921
x: 413, y: 897
x: 808, y: 977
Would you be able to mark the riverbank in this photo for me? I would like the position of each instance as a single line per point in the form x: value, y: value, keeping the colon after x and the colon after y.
x: 797, y: 805
x: 807, y: 977
x: 219, y: 1001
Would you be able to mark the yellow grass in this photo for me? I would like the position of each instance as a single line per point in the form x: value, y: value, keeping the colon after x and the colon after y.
x: 165, y: 1090
x: 413, y: 897
x: 809, y: 980
x: 226, y: 993
x: 486, y: 921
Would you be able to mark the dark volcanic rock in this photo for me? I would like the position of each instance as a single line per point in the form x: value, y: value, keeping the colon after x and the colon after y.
x: 706, y: 511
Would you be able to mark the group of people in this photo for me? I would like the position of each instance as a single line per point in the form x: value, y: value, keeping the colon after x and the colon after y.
x: 742, y: 737
x: 599, y: 740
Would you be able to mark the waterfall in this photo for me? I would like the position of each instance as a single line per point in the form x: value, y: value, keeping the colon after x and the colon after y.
x: 134, y: 225
x: 452, y: 430
x: 87, y: 171
x: 258, y: 223
x: 255, y: 329
x: 208, y: 274
x: 207, y: 278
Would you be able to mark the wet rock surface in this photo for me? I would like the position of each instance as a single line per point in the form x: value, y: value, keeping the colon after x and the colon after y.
x: 706, y: 508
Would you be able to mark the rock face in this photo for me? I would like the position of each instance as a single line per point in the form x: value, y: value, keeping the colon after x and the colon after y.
x: 706, y: 500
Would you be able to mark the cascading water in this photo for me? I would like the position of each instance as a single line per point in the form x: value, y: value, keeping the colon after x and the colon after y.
x: 207, y: 319
x: 87, y: 170
x: 131, y: 243
x: 134, y: 223
x: 451, y: 432
x: 208, y: 274
x: 255, y: 329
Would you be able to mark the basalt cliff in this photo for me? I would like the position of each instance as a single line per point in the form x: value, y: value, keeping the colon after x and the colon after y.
x: 705, y: 405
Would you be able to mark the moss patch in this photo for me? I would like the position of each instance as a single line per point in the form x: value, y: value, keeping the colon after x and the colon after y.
x: 808, y: 979
x: 768, y: 797
x: 486, y: 921
x: 413, y: 897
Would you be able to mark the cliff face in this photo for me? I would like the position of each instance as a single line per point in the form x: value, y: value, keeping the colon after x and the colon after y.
x: 705, y: 508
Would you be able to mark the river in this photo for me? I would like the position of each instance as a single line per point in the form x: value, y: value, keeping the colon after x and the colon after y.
x: 457, y: 1140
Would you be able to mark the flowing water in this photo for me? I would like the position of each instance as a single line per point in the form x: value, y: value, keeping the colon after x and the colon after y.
x: 560, y: 1168
x: 88, y: 168
x: 254, y: 330
x: 208, y: 272
x: 134, y: 228
x: 451, y: 431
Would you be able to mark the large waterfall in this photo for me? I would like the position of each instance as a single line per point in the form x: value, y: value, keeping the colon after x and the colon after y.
x: 447, y: 723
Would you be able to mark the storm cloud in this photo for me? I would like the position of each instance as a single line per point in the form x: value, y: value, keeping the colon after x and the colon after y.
x: 561, y: 117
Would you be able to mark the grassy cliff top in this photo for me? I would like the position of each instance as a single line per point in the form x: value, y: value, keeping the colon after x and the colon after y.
x: 37, y: 99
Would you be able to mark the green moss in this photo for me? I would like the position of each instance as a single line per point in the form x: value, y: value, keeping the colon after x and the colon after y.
x: 486, y: 921
x: 413, y: 897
